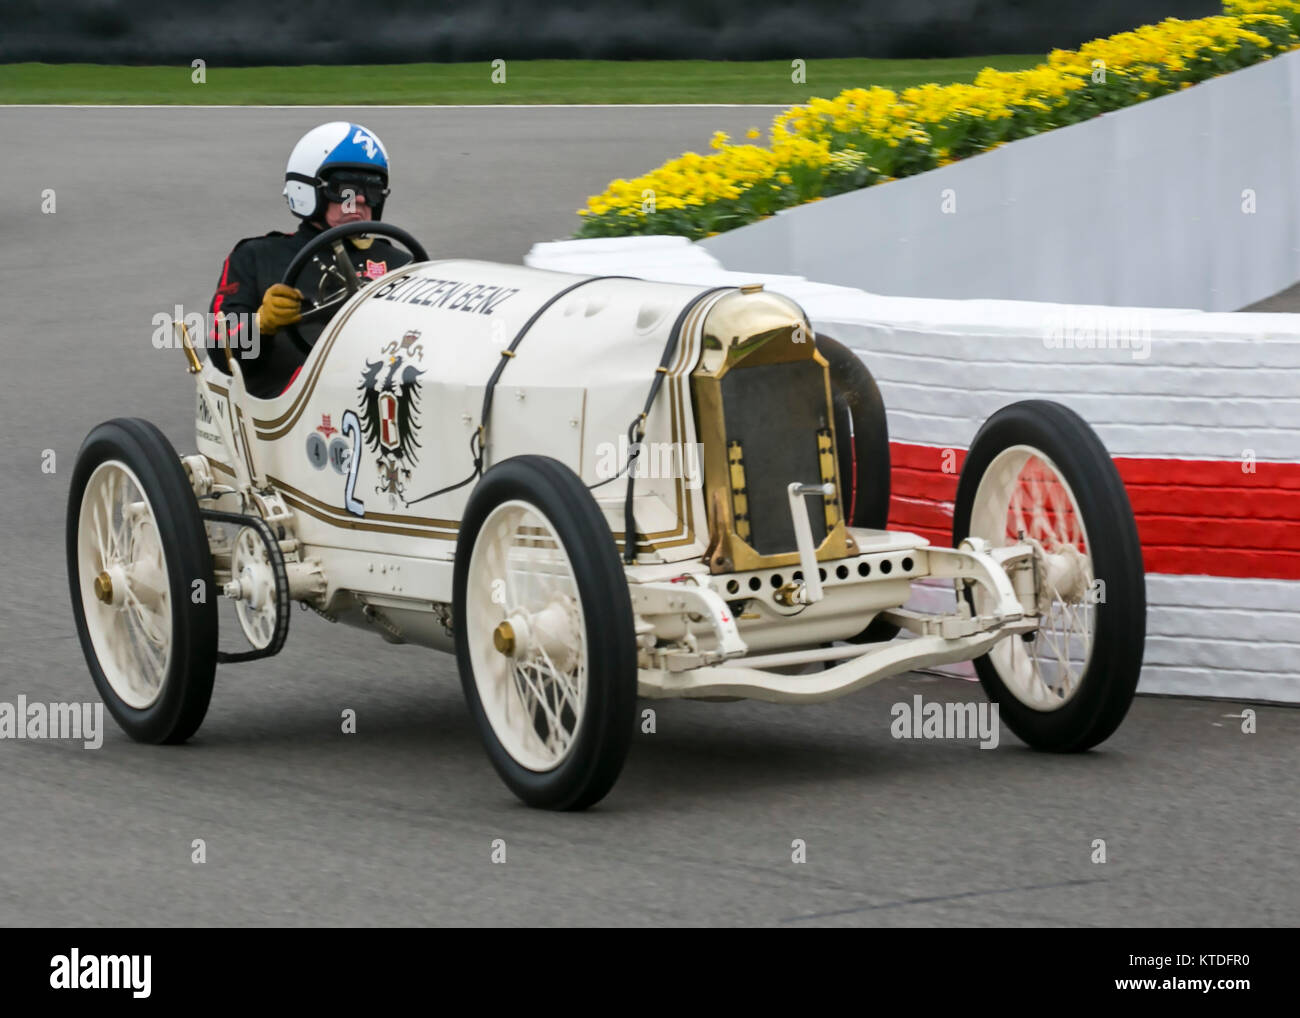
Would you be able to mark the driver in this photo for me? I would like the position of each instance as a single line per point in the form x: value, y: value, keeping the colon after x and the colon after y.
x: 337, y: 173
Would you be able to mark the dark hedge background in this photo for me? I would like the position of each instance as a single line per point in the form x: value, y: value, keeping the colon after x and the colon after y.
x: 249, y: 32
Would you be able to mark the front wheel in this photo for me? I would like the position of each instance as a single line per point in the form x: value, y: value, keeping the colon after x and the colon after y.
x: 545, y: 639
x: 141, y: 581
x: 1037, y: 472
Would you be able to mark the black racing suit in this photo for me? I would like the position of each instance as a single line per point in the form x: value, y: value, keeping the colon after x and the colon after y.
x: 250, y: 270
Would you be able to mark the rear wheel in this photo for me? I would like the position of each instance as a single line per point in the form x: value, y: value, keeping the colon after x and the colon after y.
x: 1037, y: 472
x: 545, y: 640
x: 141, y: 581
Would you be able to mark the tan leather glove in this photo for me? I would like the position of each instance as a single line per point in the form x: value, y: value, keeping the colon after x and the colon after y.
x: 281, y: 306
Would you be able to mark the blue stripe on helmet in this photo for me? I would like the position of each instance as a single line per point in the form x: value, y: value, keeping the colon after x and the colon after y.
x: 358, y: 146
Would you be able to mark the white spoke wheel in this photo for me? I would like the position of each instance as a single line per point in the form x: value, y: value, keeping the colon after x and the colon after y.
x: 141, y: 581
x: 258, y: 612
x: 1037, y: 472
x: 545, y: 640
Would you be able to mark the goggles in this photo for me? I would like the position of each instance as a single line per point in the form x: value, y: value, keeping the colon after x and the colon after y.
x: 341, y: 185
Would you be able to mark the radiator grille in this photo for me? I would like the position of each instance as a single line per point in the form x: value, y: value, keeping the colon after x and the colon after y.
x: 774, y: 412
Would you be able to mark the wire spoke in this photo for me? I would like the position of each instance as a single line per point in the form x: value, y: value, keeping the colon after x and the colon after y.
x: 1024, y: 497
x: 560, y: 678
x: 145, y: 618
x: 539, y: 699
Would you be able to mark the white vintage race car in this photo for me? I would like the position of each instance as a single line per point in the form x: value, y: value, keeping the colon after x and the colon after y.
x: 592, y: 489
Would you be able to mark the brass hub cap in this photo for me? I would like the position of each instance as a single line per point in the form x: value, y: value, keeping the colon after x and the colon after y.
x: 503, y: 638
x: 104, y: 588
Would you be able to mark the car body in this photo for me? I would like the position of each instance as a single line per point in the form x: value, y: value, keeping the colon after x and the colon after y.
x: 667, y: 461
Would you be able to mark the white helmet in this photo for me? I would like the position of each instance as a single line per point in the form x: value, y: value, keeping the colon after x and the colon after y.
x: 337, y: 145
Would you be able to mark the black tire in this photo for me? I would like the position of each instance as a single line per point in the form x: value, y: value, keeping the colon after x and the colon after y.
x: 604, y: 733
x: 186, y: 686
x: 863, y: 452
x: 1107, y: 684
x: 863, y: 434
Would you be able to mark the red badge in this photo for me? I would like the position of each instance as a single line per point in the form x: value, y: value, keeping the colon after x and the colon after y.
x: 375, y: 269
x: 389, y: 436
x: 229, y: 289
x: 326, y: 428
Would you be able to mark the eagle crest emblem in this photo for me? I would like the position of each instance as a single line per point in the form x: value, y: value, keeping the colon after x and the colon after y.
x: 390, y: 417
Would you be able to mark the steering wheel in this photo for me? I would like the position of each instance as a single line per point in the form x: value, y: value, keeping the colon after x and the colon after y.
x: 339, y: 268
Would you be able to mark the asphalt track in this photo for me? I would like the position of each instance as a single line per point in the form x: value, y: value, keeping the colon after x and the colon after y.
x: 395, y: 825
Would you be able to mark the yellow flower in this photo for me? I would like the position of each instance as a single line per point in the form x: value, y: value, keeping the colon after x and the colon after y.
x: 883, y: 130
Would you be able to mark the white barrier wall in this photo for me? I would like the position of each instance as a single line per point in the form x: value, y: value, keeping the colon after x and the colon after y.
x: 1147, y: 206
x: 1200, y: 410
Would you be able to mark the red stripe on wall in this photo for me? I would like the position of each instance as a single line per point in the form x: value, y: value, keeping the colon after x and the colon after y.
x: 1195, y: 517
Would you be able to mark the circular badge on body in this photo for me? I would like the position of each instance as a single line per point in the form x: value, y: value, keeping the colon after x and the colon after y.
x: 317, y: 454
x: 339, y: 455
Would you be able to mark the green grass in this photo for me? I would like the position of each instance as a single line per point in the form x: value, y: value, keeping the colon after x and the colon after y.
x: 527, y: 81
